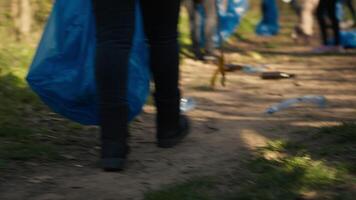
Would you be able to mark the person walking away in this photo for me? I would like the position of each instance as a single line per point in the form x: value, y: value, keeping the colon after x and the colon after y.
x: 327, y: 10
x: 209, y: 22
x: 305, y: 26
x: 115, y: 21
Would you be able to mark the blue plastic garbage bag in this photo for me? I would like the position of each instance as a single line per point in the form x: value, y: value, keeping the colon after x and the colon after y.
x: 62, y: 72
x: 269, y: 24
x: 230, y: 13
x: 348, y: 38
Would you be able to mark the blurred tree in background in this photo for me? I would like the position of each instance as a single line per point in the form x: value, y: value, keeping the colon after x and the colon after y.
x: 21, y: 20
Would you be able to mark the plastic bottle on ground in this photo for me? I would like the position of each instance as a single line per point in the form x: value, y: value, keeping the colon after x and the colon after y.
x: 187, y: 104
x: 312, y: 99
x: 252, y: 69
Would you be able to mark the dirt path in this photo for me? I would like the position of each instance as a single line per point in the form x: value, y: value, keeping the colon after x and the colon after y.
x: 229, y: 124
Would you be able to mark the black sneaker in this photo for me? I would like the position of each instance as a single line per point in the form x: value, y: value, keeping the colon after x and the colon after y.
x: 175, y: 136
x: 113, y: 164
x: 114, y: 156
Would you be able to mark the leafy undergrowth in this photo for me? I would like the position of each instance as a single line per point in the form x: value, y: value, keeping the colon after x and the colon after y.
x: 319, y: 167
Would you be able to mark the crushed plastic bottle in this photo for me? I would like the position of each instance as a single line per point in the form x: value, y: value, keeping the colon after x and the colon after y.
x: 253, y: 69
x: 187, y: 104
x: 312, y: 99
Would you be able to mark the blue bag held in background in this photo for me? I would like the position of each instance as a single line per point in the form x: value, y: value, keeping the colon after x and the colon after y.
x: 62, y: 72
x: 269, y: 24
x: 230, y: 13
x: 348, y: 39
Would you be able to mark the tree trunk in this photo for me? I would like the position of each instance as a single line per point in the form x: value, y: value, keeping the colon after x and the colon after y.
x: 25, y: 18
x: 21, y: 13
x: 14, y: 15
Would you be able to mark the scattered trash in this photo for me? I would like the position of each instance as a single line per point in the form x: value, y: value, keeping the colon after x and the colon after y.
x: 245, y: 68
x: 276, y: 75
x: 253, y: 69
x: 187, y: 104
x: 233, y: 67
x: 312, y: 99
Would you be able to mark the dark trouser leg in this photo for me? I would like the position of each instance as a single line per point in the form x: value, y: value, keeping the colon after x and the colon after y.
x: 115, y: 26
x: 195, y: 28
x: 331, y: 9
x: 211, y: 22
x: 160, y: 23
x: 321, y: 11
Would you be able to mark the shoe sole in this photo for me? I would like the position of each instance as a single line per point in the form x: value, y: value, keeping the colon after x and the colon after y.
x: 113, y: 164
x: 169, y: 143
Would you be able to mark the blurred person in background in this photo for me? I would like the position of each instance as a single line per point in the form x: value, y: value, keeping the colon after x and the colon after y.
x: 326, y: 11
x: 209, y: 22
x: 305, y: 28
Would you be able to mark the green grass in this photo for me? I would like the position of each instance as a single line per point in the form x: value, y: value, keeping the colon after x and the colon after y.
x: 339, y: 145
x: 184, y: 30
x: 285, y: 170
x: 19, y: 140
x: 29, y: 150
x: 249, y: 23
x: 23, y: 144
x: 29, y: 131
x: 246, y: 30
x: 16, y: 133
x: 287, y: 178
x: 323, y: 163
x: 184, y: 34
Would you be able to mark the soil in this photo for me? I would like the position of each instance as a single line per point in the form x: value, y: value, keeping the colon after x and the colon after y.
x: 229, y: 123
